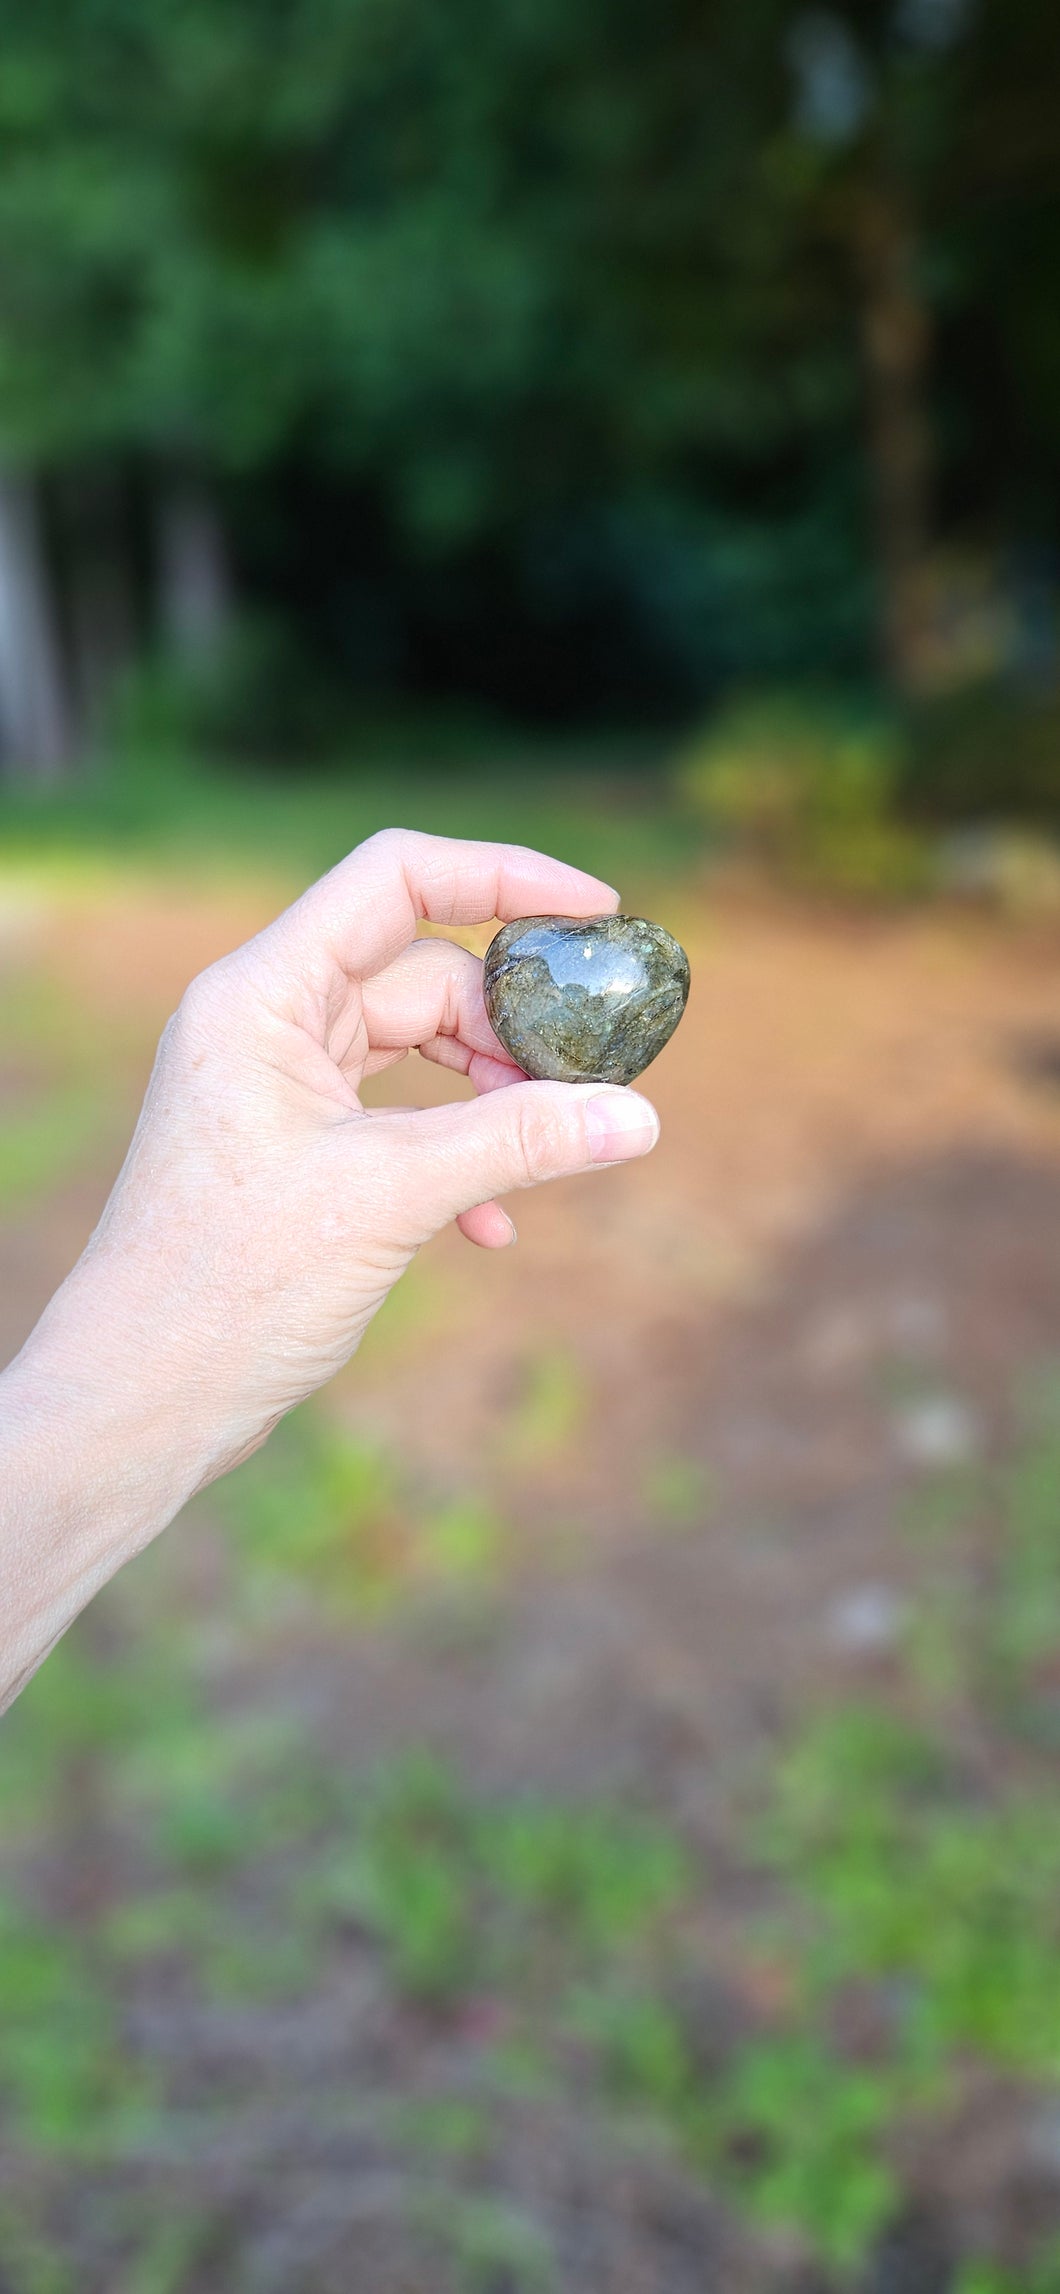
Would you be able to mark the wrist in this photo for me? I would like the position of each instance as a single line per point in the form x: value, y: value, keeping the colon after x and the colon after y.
x: 98, y: 1451
x: 127, y: 1421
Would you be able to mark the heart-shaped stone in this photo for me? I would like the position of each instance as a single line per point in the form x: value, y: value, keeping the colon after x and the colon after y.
x: 584, y: 999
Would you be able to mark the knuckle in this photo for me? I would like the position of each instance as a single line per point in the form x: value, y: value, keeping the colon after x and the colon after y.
x: 200, y: 1012
x: 429, y: 866
x: 191, y: 1012
x: 438, y: 879
x: 542, y: 1139
x: 200, y: 999
x: 389, y: 841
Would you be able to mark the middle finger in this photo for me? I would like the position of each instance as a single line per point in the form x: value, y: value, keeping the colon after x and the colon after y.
x: 431, y: 992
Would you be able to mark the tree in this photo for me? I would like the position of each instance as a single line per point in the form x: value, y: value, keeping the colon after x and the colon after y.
x: 546, y: 304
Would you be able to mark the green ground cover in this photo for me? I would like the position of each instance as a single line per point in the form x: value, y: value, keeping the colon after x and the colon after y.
x: 908, y: 1850
x: 606, y: 805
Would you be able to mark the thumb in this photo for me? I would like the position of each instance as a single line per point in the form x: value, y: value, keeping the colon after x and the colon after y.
x: 468, y: 1151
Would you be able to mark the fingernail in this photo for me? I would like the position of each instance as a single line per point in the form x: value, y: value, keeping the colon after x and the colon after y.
x: 620, y: 1124
x: 513, y: 1231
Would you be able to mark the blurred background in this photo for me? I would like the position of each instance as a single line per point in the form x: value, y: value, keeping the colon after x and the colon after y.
x: 580, y: 1814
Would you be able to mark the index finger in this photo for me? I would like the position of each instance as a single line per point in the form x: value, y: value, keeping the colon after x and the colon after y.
x: 366, y: 910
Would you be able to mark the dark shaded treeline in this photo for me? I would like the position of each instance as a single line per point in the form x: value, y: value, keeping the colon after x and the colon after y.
x: 574, y: 360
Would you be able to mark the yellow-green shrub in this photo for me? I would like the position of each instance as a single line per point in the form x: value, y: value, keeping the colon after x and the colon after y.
x: 806, y: 789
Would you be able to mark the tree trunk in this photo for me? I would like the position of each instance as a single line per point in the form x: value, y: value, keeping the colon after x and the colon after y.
x: 35, y: 725
x: 98, y: 590
x: 896, y: 339
x: 194, y: 580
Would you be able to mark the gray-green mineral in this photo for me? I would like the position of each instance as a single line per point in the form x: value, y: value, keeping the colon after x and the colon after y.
x: 585, y: 999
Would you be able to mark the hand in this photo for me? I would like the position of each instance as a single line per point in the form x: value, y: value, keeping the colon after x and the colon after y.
x: 263, y: 1214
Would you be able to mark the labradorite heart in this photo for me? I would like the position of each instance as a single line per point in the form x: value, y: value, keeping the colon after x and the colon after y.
x: 584, y: 999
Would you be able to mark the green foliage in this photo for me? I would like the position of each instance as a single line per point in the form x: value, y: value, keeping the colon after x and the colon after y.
x: 566, y: 310
x: 493, y: 2248
x: 915, y: 1917
x: 55, y: 1107
x: 166, y: 2255
x: 988, y: 1626
x: 807, y: 789
x: 459, y: 1894
x: 61, y: 2069
x: 324, y: 1510
x: 240, y: 1860
x: 446, y: 2127
x: 1023, y: 1626
x: 29, y: 2258
x: 1040, y: 2275
x: 331, y: 1516
x: 366, y: 217
x: 921, y: 1879
x: 956, y: 1905
x: 643, y: 2051
x: 908, y: 1873
x: 409, y: 1877
x: 985, y: 752
x: 47, y: 1141
x: 678, y: 1490
x: 170, y: 813
x: 599, y: 1874
x: 463, y: 1540
x: 549, y: 1410
x: 158, y: 2255
x: 259, y: 692
x: 816, y: 2125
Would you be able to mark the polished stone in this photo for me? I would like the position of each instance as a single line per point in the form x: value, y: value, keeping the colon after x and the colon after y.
x: 584, y: 999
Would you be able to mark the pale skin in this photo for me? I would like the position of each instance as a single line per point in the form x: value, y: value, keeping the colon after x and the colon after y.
x: 263, y: 1213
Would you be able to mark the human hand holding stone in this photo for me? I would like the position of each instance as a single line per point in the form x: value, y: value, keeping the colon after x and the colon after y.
x: 263, y: 1214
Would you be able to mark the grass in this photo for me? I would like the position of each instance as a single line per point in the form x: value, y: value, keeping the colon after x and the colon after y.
x: 56, y: 1104
x: 1042, y: 2275
x: 907, y: 1852
x: 331, y: 1518
x: 490, y: 2245
x: 242, y: 1867
x: 47, y: 1141
x: 491, y: 1899
x: 549, y: 1409
x: 938, y: 1912
x: 604, y: 805
x: 677, y: 1491
x: 915, y: 1851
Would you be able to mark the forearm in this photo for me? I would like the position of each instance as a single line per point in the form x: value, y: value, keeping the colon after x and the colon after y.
x: 96, y: 1456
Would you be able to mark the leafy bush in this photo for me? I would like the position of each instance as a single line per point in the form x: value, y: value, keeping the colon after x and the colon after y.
x: 985, y: 752
x: 807, y: 789
x: 260, y: 695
